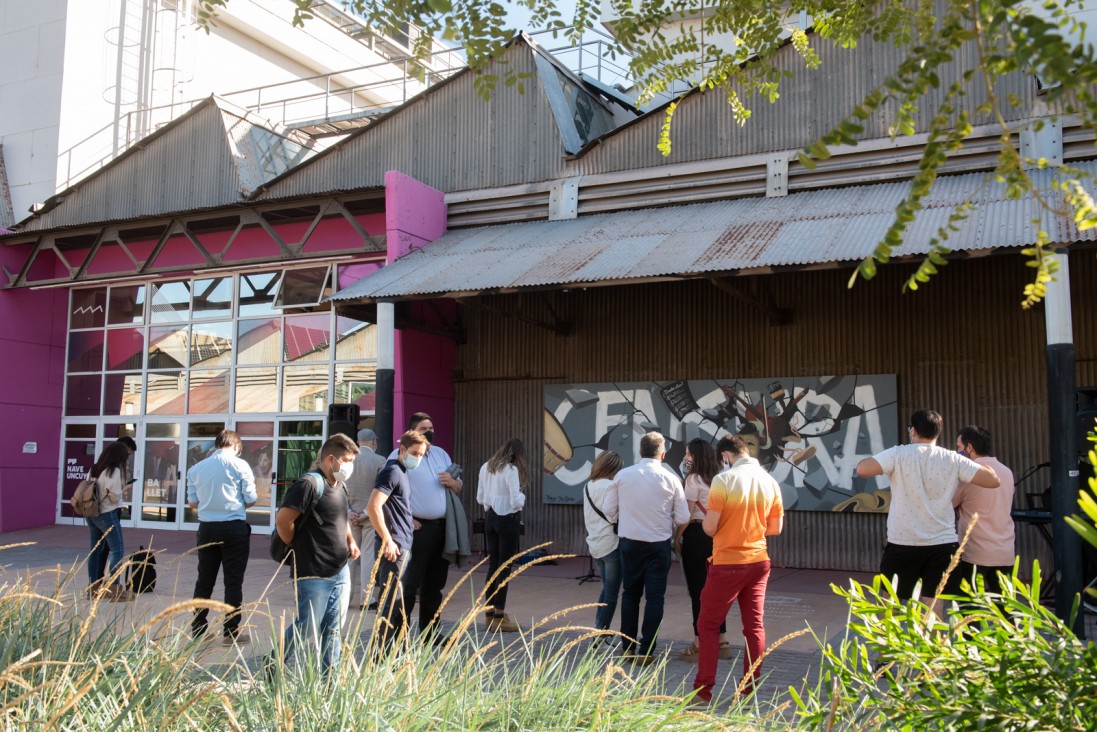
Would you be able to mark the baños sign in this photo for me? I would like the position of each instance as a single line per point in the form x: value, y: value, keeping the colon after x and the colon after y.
x: 808, y: 432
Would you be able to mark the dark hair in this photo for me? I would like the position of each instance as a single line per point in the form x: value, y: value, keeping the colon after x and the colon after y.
x: 412, y: 438
x: 338, y: 445
x: 733, y: 444
x: 651, y: 445
x: 978, y: 438
x: 226, y: 438
x: 115, y: 457
x: 417, y: 418
x: 927, y: 423
x: 128, y: 442
x: 704, y: 461
x: 606, y: 465
x: 513, y: 452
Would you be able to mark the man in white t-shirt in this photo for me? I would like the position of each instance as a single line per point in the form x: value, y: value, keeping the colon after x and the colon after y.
x: 921, y: 529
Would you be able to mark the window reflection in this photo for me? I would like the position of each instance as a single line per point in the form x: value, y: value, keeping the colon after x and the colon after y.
x: 211, y: 344
x: 86, y: 350
x: 88, y: 306
x: 82, y: 395
x: 168, y: 347
x: 127, y: 305
x: 307, y: 338
x: 213, y: 298
x: 354, y: 340
x: 167, y: 391
x: 260, y: 341
x: 257, y: 293
x: 304, y: 287
x: 305, y: 388
x: 209, y: 391
x: 161, y: 480
x: 122, y: 393
x: 257, y: 389
x: 356, y: 383
x: 170, y: 302
x: 125, y: 348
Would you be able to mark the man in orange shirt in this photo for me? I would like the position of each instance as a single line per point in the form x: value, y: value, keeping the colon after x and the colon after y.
x: 744, y: 508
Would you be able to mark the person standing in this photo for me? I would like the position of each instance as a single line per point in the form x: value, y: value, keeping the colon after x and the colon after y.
x: 744, y: 507
x: 921, y: 525
x: 359, y: 489
x: 989, y: 548
x: 106, y: 529
x: 693, y: 544
x: 499, y: 492
x: 648, y: 504
x: 602, y: 535
x: 389, y: 511
x: 222, y: 488
x: 427, y: 570
x: 322, y: 547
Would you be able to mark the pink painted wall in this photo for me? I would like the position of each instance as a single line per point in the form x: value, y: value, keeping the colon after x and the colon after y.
x: 415, y: 215
x: 32, y: 339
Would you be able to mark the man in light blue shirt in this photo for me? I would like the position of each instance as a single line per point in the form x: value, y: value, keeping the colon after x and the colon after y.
x: 222, y: 487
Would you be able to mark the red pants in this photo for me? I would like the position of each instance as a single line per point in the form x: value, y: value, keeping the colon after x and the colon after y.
x: 725, y: 584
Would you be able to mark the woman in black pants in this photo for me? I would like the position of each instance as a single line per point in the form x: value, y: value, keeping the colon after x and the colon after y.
x: 499, y: 491
x: 693, y: 544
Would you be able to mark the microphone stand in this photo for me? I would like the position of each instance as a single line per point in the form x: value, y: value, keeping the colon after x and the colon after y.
x: 591, y: 575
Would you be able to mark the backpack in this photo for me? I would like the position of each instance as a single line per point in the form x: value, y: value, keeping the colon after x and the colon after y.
x: 85, y: 501
x: 280, y: 550
x: 141, y: 572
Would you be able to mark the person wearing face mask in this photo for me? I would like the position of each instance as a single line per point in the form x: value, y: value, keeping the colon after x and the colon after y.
x: 389, y: 511
x: 222, y: 487
x: 323, y: 547
x: 427, y: 570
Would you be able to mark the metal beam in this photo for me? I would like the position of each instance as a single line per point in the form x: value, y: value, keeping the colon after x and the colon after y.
x: 775, y: 315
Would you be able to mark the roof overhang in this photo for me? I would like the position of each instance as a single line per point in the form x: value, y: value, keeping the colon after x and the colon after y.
x: 830, y: 227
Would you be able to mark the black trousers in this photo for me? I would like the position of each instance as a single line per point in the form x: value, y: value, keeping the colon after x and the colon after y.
x: 502, y: 534
x: 230, y: 544
x: 696, y: 549
x: 426, y: 573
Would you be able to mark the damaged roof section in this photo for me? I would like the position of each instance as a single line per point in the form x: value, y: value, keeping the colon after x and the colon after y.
x: 747, y: 234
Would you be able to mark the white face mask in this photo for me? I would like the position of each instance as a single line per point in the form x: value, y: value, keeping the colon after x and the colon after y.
x: 411, y: 462
x: 345, y: 471
x: 683, y: 468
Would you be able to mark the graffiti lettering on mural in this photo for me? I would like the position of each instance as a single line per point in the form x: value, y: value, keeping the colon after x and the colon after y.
x: 808, y: 432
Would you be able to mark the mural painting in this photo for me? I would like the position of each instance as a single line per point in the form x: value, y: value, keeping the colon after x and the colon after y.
x: 808, y: 432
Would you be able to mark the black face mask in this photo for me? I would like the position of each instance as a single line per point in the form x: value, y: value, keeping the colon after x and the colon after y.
x: 429, y: 434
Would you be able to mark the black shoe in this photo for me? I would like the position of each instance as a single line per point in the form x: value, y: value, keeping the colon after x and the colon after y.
x: 373, y: 605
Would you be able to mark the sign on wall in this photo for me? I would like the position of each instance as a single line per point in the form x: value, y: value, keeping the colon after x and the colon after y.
x: 808, y: 432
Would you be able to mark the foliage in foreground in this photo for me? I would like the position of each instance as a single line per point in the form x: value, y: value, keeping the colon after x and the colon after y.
x: 1001, y: 663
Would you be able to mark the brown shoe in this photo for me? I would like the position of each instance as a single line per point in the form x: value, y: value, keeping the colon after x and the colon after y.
x: 502, y: 624
x: 118, y: 593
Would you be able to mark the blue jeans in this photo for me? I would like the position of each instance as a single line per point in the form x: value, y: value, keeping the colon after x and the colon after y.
x: 321, y: 609
x: 107, y: 524
x: 645, y: 566
x: 609, y: 569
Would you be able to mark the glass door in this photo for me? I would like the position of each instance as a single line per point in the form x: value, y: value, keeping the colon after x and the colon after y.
x: 259, y: 450
x: 299, y: 442
x: 84, y: 442
x: 201, y: 437
x: 161, y: 475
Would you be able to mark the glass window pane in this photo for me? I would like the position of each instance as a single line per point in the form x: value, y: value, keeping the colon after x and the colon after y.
x: 259, y: 454
x: 79, y: 459
x: 213, y: 298
x: 307, y: 338
x: 356, y: 384
x: 304, y: 286
x: 167, y: 392
x: 209, y: 391
x: 88, y: 307
x: 257, y: 293
x: 161, y: 482
x: 127, y: 305
x: 305, y: 388
x: 257, y: 389
x: 355, y: 340
x: 80, y: 430
x: 170, y: 302
x: 301, y: 428
x: 260, y: 341
x: 255, y: 429
x: 125, y: 349
x: 168, y: 347
x: 294, y: 459
x: 122, y: 395
x: 211, y: 344
x: 162, y: 429
x: 85, y: 351
x: 82, y: 395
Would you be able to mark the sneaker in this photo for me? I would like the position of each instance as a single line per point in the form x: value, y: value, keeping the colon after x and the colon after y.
x: 640, y: 660
x: 239, y: 639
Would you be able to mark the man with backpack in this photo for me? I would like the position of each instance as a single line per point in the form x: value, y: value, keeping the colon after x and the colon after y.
x: 322, y: 549
x: 222, y: 487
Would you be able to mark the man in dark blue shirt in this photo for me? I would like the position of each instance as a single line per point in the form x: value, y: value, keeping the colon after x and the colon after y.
x: 389, y: 510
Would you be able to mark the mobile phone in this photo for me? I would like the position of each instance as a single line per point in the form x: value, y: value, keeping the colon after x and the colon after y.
x: 131, y: 481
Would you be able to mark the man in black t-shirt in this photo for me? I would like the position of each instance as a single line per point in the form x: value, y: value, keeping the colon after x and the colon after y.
x: 322, y: 547
x: 389, y: 511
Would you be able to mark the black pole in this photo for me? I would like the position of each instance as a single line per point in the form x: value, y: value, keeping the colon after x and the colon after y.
x: 1064, y: 479
x: 384, y: 409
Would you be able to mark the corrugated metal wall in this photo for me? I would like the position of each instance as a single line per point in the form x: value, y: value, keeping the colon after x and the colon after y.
x: 962, y: 345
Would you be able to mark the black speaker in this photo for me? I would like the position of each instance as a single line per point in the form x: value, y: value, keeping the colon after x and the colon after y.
x: 343, y: 418
x: 1086, y: 418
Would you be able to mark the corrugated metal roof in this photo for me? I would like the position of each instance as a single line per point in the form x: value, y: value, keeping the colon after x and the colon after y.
x: 832, y: 225
x: 7, y: 218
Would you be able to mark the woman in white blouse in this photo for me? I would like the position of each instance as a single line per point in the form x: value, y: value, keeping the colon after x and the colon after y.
x: 602, y: 535
x: 106, y: 528
x: 499, y: 491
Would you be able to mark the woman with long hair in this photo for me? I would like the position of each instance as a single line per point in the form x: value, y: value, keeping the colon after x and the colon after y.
x: 499, y: 491
x: 602, y: 535
x: 693, y: 544
x: 106, y: 528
